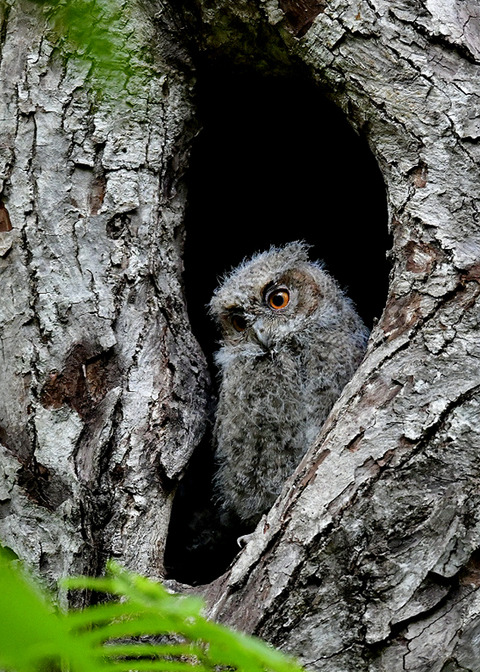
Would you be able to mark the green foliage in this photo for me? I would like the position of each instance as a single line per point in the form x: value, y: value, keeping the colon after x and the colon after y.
x: 145, y: 629
x: 101, y: 35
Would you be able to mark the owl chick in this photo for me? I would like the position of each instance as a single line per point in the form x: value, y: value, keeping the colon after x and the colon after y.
x: 291, y: 340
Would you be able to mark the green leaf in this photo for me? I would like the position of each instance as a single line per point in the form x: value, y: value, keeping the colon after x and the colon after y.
x: 31, y: 630
x: 93, y: 640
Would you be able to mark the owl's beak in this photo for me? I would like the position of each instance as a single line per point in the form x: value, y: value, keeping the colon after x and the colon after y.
x: 262, y: 334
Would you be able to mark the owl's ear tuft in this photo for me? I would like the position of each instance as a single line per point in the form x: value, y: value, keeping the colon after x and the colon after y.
x: 291, y: 254
x: 243, y: 285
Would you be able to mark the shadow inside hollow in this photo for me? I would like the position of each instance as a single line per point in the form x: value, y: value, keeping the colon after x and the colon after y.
x: 275, y: 162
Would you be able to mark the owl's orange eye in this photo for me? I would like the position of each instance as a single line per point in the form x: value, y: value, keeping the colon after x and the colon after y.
x: 239, y: 323
x: 279, y: 298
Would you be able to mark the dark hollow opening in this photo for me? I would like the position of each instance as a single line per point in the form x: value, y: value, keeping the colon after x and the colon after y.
x: 275, y: 162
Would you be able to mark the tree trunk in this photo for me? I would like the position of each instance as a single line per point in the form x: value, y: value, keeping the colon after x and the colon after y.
x: 103, y: 385
x: 368, y: 561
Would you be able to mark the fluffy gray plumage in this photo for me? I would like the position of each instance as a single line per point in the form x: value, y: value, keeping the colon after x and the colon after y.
x: 291, y: 340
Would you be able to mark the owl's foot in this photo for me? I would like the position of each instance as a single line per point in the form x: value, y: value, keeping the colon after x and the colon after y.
x: 244, y: 539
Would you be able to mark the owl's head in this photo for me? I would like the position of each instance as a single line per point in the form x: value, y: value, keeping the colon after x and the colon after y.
x: 273, y: 297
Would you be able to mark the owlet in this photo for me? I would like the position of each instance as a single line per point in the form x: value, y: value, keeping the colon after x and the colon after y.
x: 291, y: 340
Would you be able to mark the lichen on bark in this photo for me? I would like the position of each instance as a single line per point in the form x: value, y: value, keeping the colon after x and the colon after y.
x: 106, y: 385
x: 368, y: 561
x: 365, y: 554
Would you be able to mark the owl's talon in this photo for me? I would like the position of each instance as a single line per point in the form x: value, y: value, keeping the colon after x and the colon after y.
x: 244, y: 539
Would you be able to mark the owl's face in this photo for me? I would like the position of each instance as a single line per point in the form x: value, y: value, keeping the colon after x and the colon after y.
x: 268, y: 300
x: 271, y: 312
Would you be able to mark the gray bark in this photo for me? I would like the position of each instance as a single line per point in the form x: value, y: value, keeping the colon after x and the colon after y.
x: 369, y: 559
x: 103, y: 385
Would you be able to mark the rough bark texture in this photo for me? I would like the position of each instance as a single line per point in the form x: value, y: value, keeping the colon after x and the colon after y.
x: 103, y: 386
x: 369, y: 560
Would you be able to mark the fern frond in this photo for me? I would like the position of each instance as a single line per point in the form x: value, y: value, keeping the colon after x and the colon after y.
x: 104, y: 638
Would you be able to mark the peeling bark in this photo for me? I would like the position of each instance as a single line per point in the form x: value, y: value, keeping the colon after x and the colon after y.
x: 103, y: 386
x: 369, y: 560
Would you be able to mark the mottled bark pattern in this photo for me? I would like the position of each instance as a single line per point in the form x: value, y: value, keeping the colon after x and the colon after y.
x: 102, y: 385
x: 369, y: 560
x: 299, y: 14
